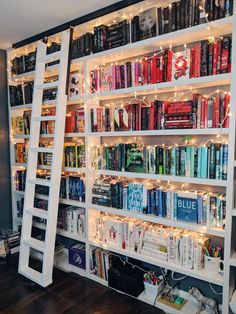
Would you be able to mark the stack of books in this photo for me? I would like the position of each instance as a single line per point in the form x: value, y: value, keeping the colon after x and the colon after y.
x: 13, y: 239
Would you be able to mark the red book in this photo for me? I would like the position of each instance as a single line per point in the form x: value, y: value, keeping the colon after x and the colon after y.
x: 227, y: 111
x: 152, y: 113
x: 215, y: 57
x: 117, y: 77
x: 99, y: 119
x: 69, y: 123
x: 138, y: 117
x: 192, y: 63
x: 149, y: 71
x: 224, y: 60
x: 203, y: 115
x: 144, y: 70
x: 169, y: 65
x: 197, y: 66
x: 136, y: 73
x: 216, y: 112
x: 219, y: 45
x: 113, y: 77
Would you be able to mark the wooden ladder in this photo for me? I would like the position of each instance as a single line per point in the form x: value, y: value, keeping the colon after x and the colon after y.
x: 46, y: 247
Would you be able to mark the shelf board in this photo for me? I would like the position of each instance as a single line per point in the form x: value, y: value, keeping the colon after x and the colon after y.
x: 160, y: 220
x: 181, y: 132
x: 17, y: 164
x: 20, y: 136
x: 62, y: 200
x: 202, y: 275
x: 185, y: 36
x: 62, y: 232
x: 29, y: 76
x: 97, y: 279
x: 71, y: 169
x: 61, y: 261
x: 75, y: 134
x: 149, y: 176
x: 22, y: 107
x: 21, y: 193
x: 185, y: 84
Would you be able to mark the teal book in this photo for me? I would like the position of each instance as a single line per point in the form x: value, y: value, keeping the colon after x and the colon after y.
x: 187, y: 163
x: 173, y: 162
x: 199, y: 154
x: 182, y: 161
x: 204, y: 162
x: 192, y: 161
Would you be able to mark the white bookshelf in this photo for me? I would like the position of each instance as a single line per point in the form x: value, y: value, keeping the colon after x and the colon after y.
x: 216, y: 28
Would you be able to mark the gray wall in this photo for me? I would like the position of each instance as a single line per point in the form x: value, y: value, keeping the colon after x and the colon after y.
x: 5, y: 176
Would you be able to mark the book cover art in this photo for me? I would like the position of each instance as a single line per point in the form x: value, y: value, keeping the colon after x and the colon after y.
x: 181, y: 65
x: 106, y: 77
x: 148, y: 23
x: 122, y: 118
x: 134, y: 158
x: 76, y: 84
x: 136, y: 197
x: 187, y: 208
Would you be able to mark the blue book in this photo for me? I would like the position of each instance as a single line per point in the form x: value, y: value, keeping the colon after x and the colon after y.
x: 187, y: 208
x: 204, y: 162
x: 199, y: 154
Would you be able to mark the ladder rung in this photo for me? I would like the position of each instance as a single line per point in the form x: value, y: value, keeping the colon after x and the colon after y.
x: 51, y: 57
x: 35, y: 244
x: 42, y: 150
x: 48, y: 85
x: 44, y: 118
x: 32, y: 274
x: 37, y: 212
x: 40, y: 182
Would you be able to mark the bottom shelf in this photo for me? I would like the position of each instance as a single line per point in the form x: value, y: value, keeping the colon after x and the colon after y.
x: 61, y: 262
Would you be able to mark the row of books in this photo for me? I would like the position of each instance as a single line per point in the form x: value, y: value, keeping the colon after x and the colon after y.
x: 197, y: 207
x: 202, y: 161
x: 13, y: 240
x: 204, y: 59
x: 27, y: 62
x: 72, y: 186
x: 200, y: 112
x: 74, y: 122
x: 21, y: 94
x: 100, y: 262
x: 150, y: 23
x: 20, y: 125
x: 71, y: 219
x: 173, y: 245
x: 74, y: 155
x: 21, y: 152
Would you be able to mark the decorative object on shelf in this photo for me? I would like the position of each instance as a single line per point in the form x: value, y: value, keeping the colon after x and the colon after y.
x: 209, y: 304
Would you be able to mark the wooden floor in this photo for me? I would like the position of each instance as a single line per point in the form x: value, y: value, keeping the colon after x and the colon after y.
x: 69, y: 294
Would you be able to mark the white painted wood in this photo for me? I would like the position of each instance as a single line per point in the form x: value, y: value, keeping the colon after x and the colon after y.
x: 47, y: 246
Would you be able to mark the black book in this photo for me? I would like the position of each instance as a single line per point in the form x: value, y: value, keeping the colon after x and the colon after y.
x: 12, y: 95
x: 221, y: 9
x: 210, y: 58
x: 177, y: 15
x: 95, y: 39
x: 30, y: 61
x: 160, y: 20
x: 209, y: 7
x: 88, y: 44
x: 187, y: 13
x: 103, y: 37
x: 28, y: 92
x: 129, y: 74
x: 19, y: 95
x: 196, y: 20
x: 204, y: 57
x: 166, y: 20
x: 182, y: 14
x: 135, y: 33
x: 174, y: 17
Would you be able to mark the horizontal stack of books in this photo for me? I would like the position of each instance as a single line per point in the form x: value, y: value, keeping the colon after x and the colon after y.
x: 199, y: 207
x: 200, y: 112
x: 100, y: 262
x: 13, y: 239
x: 195, y: 161
x: 203, y: 59
x: 173, y: 245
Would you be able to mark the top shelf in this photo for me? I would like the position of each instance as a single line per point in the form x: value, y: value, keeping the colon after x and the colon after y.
x: 185, y: 36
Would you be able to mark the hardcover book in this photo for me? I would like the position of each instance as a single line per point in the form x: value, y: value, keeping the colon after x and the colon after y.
x: 181, y: 65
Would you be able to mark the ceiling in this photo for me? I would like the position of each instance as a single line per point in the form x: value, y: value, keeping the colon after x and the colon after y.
x: 25, y: 18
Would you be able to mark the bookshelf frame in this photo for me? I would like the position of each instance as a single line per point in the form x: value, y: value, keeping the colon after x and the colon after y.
x: 218, y: 27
